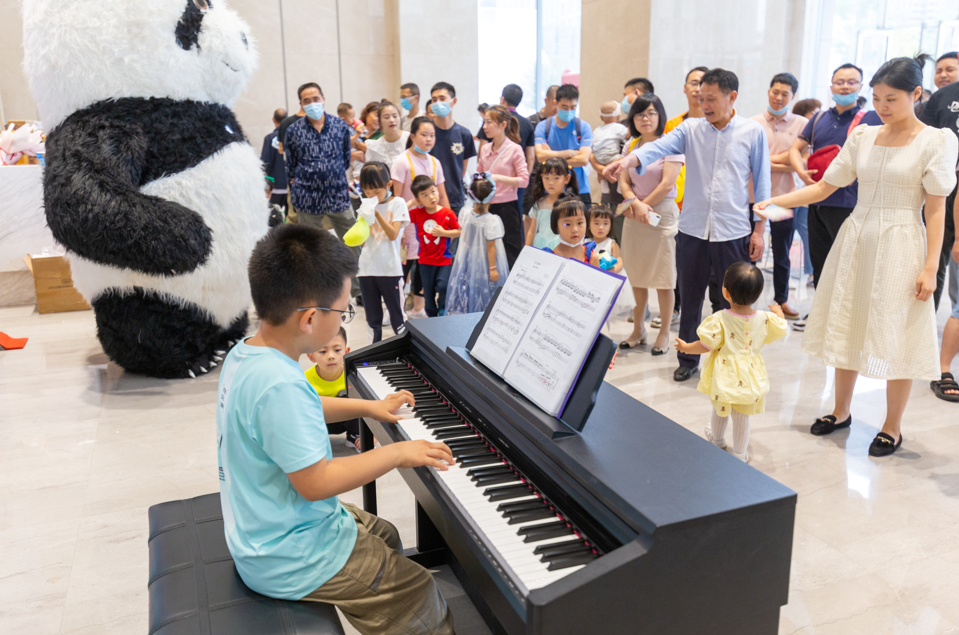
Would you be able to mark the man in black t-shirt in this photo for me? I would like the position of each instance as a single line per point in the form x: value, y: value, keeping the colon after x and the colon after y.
x: 454, y: 143
x: 511, y: 98
x: 942, y: 111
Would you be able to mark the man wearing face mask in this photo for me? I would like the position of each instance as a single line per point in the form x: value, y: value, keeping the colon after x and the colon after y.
x: 633, y: 89
x: 454, y: 143
x: 567, y: 136
x: 782, y: 129
x: 831, y: 127
x: 317, y: 150
x: 410, y: 102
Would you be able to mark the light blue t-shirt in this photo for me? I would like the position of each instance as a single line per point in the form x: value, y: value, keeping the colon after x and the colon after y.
x: 269, y: 423
x: 565, y: 139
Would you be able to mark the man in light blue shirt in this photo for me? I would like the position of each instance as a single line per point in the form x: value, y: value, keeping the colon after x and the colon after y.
x: 566, y: 136
x: 723, y: 150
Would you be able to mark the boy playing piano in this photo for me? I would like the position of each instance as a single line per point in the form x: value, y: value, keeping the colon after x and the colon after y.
x: 290, y: 536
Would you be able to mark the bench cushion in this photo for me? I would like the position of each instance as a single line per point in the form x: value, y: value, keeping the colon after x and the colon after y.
x: 195, y: 589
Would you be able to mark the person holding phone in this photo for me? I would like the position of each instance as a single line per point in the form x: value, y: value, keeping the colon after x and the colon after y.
x: 649, y: 235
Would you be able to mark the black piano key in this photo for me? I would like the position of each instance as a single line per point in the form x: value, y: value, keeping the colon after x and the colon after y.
x: 507, y: 492
x: 496, y: 479
x: 571, y: 560
x: 476, y: 461
x: 430, y: 405
x: 393, y: 366
x: 519, y: 506
x: 481, y: 450
x: 438, y: 416
x: 452, y: 433
x: 528, y: 515
x: 478, y: 472
x: 465, y: 442
x: 545, y: 531
x: 561, y: 548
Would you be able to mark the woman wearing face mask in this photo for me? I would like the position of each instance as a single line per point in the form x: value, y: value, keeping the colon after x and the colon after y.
x: 504, y: 158
x: 649, y: 253
x: 871, y: 314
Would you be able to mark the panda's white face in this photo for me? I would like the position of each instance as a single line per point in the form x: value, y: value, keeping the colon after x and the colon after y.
x: 79, y: 52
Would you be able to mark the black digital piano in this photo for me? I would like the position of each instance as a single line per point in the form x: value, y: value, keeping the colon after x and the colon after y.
x: 633, y: 525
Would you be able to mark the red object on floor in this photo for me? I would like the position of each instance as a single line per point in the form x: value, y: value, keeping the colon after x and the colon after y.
x: 9, y: 343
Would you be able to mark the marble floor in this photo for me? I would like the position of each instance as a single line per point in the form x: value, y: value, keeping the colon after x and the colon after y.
x: 86, y: 449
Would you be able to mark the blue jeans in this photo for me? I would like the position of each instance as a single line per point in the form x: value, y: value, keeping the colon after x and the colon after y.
x: 435, y: 280
x: 802, y: 226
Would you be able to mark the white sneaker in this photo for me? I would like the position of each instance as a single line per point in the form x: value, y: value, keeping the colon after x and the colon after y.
x: 709, y: 437
x: 418, y: 314
x: 744, y: 457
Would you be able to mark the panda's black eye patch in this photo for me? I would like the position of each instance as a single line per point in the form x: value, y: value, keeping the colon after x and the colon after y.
x: 188, y: 28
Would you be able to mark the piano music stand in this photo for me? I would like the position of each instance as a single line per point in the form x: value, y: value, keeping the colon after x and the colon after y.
x: 582, y: 397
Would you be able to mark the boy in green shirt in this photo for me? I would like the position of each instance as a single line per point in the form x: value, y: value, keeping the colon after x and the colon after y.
x: 289, y: 535
x: 328, y: 378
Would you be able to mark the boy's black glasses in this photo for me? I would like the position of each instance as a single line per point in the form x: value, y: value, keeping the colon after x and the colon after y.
x: 347, y: 315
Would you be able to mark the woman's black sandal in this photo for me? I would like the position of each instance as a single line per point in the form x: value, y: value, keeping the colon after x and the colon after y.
x: 883, y: 445
x: 827, y: 425
x: 948, y: 382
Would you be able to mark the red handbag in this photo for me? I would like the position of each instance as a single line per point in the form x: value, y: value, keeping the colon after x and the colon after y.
x: 821, y: 158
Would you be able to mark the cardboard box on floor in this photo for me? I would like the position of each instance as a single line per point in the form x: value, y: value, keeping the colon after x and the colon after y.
x: 54, y: 284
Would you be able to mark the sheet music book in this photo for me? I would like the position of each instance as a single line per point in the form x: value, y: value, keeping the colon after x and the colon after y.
x: 544, y: 323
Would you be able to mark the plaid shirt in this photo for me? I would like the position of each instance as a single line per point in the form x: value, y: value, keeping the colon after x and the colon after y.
x: 316, y: 163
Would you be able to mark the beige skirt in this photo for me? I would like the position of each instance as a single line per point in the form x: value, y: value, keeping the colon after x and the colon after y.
x: 649, y: 253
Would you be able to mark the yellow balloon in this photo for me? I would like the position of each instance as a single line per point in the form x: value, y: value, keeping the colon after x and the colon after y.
x: 357, y: 234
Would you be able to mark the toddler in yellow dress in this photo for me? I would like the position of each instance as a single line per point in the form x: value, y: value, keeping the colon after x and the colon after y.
x: 734, y: 373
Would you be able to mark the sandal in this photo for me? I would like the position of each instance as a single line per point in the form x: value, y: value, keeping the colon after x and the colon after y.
x: 948, y: 382
x: 883, y: 445
x: 827, y: 425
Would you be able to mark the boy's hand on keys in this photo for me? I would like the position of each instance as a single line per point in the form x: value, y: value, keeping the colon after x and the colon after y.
x: 423, y: 453
x: 778, y: 310
x: 383, y: 410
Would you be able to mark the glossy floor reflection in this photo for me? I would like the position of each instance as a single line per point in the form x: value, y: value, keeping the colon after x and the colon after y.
x: 87, y: 449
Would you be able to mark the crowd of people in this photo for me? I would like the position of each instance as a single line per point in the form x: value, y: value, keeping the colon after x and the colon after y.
x: 682, y: 199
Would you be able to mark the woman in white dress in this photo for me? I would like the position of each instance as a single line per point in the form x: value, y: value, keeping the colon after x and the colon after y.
x: 871, y: 314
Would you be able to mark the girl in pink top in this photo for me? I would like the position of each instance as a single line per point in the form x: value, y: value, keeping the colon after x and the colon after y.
x: 504, y: 159
x: 406, y: 167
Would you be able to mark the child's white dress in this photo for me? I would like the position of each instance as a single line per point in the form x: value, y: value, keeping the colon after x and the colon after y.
x: 734, y: 373
x: 626, y: 302
x: 470, y: 288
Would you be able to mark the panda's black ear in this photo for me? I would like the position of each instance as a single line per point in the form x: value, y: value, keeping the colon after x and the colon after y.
x: 188, y: 28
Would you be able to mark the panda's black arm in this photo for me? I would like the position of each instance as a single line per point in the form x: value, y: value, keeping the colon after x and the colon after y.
x: 94, y: 206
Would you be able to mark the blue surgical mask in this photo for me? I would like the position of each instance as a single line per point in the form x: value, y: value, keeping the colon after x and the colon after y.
x: 405, y: 103
x: 566, y: 115
x: 780, y: 112
x: 441, y: 108
x: 845, y: 100
x: 418, y: 149
x: 625, y: 105
x: 314, y: 110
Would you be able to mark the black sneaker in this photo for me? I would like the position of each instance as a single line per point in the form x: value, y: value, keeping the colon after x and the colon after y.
x: 800, y: 324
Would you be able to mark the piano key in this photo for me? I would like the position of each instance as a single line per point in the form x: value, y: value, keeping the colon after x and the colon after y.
x: 544, y: 532
x: 496, y: 479
x: 470, y: 452
x: 515, y: 506
x: 452, y: 433
x: 506, y: 492
x: 488, y: 471
x: 571, y: 561
x: 557, y: 548
x: 529, y: 514
x: 476, y: 461
x: 466, y: 443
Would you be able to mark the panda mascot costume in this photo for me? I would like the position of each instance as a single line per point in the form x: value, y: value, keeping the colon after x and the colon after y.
x: 149, y: 182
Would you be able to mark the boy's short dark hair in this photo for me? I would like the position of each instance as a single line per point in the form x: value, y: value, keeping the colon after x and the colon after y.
x: 788, y: 79
x: 341, y: 333
x: 512, y: 95
x: 342, y: 109
x: 725, y: 80
x: 744, y: 283
x: 444, y: 86
x: 295, y: 266
x: 413, y: 88
x: 567, y: 91
x: 420, y: 184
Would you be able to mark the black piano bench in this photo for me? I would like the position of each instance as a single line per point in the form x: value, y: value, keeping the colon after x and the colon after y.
x: 195, y: 588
